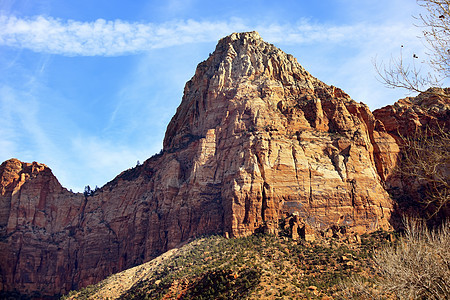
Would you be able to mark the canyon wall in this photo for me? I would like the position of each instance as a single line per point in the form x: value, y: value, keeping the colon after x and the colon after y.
x: 255, y: 139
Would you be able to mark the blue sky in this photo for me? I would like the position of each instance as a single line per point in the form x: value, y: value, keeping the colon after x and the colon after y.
x: 88, y: 87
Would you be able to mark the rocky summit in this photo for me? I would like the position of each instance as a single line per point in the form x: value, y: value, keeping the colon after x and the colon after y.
x: 256, y: 140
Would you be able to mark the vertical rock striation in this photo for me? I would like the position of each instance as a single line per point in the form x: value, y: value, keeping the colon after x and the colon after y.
x: 255, y: 139
x: 37, y: 217
x: 277, y: 140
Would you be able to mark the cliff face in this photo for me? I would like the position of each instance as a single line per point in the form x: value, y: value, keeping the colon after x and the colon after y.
x: 411, y: 115
x: 277, y: 140
x: 255, y: 139
x: 406, y: 116
x: 37, y: 215
x: 420, y: 187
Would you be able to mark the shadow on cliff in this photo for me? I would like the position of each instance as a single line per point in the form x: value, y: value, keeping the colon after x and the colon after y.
x: 419, y: 184
x: 409, y: 203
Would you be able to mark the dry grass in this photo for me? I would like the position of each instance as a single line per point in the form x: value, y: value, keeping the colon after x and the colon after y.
x: 417, y: 267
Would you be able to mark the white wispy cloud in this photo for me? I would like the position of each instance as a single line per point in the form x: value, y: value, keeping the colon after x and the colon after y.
x: 112, y: 38
x: 101, y: 37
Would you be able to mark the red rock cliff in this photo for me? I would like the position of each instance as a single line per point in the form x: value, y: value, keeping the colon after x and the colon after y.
x: 255, y: 138
x: 408, y: 118
x: 37, y: 247
x: 407, y: 115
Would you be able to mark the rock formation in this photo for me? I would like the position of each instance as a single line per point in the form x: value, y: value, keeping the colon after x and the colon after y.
x: 420, y: 126
x: 255, y: 139
x: 37, y: 217
x: 407, y: 115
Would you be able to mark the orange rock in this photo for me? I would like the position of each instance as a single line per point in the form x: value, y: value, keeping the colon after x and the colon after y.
x: 38, y: 218
x: 428, y: 112
x: 409, y: 114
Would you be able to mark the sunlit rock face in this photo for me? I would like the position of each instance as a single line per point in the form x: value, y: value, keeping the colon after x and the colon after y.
x: 275, y: 140
x: 255, y: 139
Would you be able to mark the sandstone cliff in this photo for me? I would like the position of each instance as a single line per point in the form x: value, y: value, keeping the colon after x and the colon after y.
x: 409, y: 114
x: 420, y: 126
x: 37, y: 219
x: 255, y: 139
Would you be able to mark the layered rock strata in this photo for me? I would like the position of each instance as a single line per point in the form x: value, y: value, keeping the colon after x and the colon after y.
x: 430, y: 110
x: 255, y: 139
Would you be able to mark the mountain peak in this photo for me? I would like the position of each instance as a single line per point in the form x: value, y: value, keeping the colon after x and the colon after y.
x: 240, y: 39
x: 243, y: 66
x: 246, y: 55
x: 242, y: 36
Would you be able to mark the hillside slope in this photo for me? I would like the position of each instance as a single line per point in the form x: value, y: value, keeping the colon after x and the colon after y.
x: 254, y: 267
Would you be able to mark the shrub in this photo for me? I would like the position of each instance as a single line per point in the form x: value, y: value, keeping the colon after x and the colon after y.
x: 417, y: 267
x: 424, y: 166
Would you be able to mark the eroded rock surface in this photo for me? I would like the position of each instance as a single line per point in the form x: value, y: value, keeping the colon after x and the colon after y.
x: 255, y: 139
x: 406, y: 116
x: 38, y: 217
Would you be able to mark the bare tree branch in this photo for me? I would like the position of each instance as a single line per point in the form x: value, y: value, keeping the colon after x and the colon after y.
x: 416, y: 267
x: 425, y: 165
x: 436, y: 33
